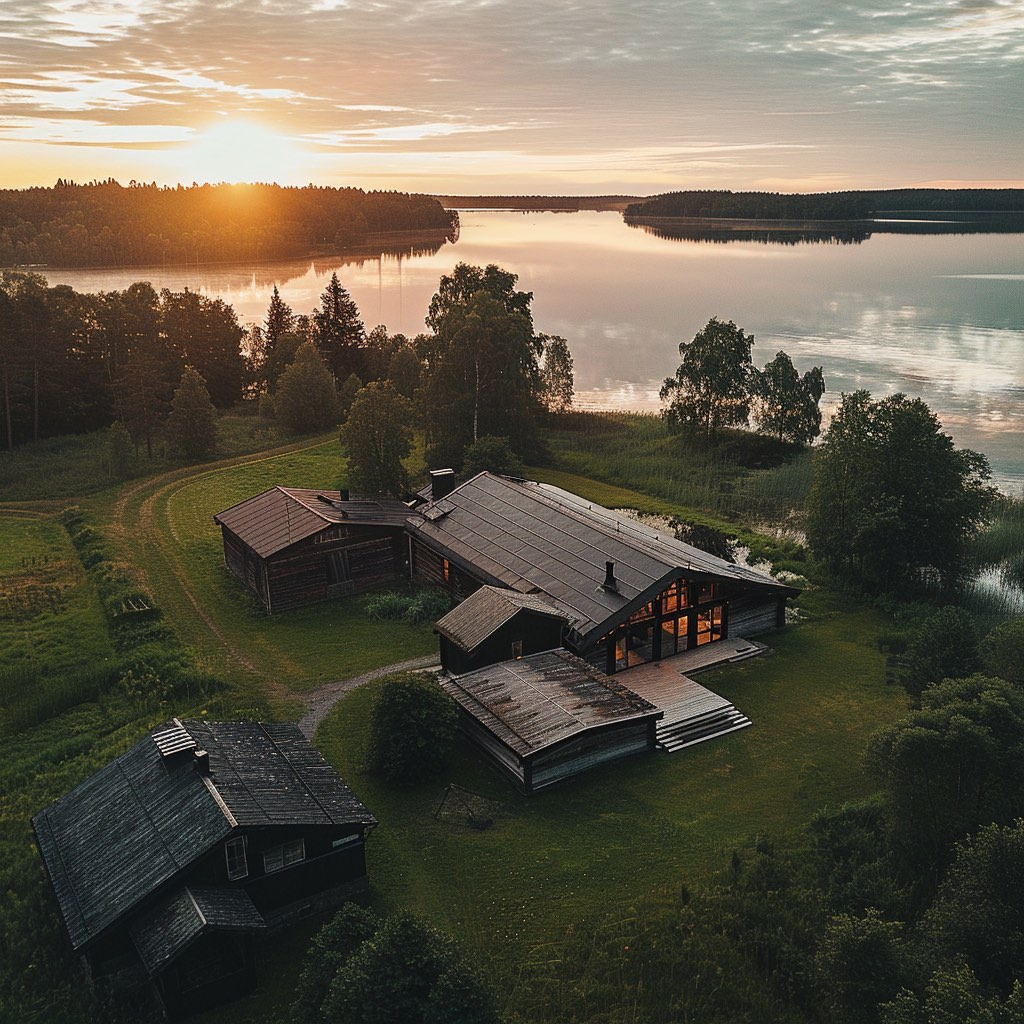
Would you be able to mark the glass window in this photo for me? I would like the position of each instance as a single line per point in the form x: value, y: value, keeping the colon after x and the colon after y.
x: 517, y: 649
x: 234, y: 852
x: 281, y: 856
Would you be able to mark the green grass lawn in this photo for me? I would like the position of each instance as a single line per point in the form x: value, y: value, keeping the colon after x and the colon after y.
x: 595, y: 845
x: 166, y: 531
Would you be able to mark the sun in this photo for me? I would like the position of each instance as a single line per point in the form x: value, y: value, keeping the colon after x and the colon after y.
x: 237, y: 151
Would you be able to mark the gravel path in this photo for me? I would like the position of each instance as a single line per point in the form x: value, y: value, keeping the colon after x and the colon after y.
x: 323, y: 698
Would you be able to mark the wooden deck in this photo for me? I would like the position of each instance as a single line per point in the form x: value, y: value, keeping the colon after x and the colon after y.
x: 692, y: 713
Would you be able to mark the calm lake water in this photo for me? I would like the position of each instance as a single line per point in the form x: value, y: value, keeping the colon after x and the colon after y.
x: 940, y: 316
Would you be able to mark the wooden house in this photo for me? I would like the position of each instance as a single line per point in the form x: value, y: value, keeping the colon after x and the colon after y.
x: 629, y: 594
x: 295, y: 546
x: 494, y: 624
x: 546, y: 717
x: 172, y: 861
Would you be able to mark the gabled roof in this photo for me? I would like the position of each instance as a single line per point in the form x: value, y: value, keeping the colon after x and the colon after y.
x: 135, y: 826
x: 486, y: 610
x: 533, y: 537
x: 282, y: 516
x: 534, y: 702
x: 162, y: 934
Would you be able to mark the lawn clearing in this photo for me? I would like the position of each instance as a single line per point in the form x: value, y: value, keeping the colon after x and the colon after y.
x: 166, y: 530
x: 592, y: 846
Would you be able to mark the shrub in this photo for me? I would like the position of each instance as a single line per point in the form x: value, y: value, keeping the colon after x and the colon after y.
x: 412, y: 728
x: 422, y: 606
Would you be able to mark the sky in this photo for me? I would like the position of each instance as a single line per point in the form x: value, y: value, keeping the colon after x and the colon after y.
x: 589, y: 97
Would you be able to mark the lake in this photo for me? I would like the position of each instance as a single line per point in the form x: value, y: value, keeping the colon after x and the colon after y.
x: 940, y: 316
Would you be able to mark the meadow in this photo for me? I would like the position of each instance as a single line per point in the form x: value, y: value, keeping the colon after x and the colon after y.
x: 582, y: 855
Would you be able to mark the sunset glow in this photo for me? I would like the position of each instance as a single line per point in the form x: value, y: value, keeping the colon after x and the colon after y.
x: 507, y: 96
x: 234, y: 151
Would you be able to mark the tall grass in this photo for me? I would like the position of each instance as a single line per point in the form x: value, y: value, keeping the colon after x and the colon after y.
x: 739, y: 476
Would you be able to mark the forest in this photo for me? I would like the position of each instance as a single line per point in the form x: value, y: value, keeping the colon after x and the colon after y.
x: 852, y: 205
x: 854, y: 858
x: 104, y: 224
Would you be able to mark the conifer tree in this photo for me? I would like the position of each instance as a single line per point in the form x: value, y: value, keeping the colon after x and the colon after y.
x: 339, y: 332
x: 192, y: 423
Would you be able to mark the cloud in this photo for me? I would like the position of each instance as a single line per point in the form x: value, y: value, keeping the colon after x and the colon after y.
x: 827, y: 93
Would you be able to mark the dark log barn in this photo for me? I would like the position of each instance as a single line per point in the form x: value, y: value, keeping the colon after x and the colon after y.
x: 549, y: 716
x: 173, y: 861
x: 296, y: 546
x: 629, y: 594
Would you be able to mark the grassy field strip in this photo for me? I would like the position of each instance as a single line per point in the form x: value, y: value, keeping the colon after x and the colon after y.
x: 167, y: 526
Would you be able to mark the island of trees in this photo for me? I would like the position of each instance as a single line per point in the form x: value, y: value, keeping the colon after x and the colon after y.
x: 103, y: 224
x: 850, y: 205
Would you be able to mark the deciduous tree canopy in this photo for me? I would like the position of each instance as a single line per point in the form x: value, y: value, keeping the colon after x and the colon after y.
x: 306, y: 398
x: 711, y: 387
x: 481, y: 372
x: 192, y: 423
x: 892, y: 497
x: 785, y: 404
x: 377, y: 436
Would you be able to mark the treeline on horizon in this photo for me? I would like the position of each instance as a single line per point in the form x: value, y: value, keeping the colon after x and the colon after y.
x: 851, y: 205
x: 105, y: 224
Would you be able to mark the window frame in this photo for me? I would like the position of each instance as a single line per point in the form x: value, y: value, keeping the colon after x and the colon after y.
x: 291, y: 852
x: 231, y: 851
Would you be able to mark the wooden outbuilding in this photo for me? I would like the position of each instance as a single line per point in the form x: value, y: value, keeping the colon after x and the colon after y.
x: 546, y: 717
x: 495, y: 624
x: 294, y: 546
x: 629, y: 594
x: 172, y: 861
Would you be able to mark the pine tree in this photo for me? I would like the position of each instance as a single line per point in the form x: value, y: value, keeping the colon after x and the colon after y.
x: 192, y: 424
x: 339, y: 332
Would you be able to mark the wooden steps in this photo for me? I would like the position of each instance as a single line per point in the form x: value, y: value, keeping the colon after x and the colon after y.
x: 692, y: 713
x: 690, y: 731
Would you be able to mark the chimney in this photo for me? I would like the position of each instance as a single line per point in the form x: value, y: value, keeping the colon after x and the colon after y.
x: 610, y: 582
x: 344, y: 494
x: 442, y: 483
x: 202, y: 762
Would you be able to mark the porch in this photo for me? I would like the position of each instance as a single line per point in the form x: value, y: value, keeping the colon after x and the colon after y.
x: 692, y: 713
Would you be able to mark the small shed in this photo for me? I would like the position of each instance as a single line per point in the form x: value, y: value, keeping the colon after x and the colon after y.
x: 495, y: 624
x: 548, y: 716
x: 295, y: 546
x: 171, y: 860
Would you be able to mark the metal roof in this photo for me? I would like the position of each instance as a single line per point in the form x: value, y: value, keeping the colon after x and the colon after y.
x: 139, y: 822
x: 486, y: 610
x: 534, y: 702
x: 536, y: 538
x: 277, y: 518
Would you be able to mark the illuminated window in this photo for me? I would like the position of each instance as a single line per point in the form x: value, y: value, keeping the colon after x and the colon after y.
x: 445, y: 569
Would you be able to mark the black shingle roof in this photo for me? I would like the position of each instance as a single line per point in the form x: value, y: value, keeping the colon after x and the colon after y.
x: 142, y: 820
x: 166, y: 931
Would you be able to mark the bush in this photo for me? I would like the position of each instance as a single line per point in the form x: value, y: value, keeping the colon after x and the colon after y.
x: 412, y: 728
x: 422, y: 606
